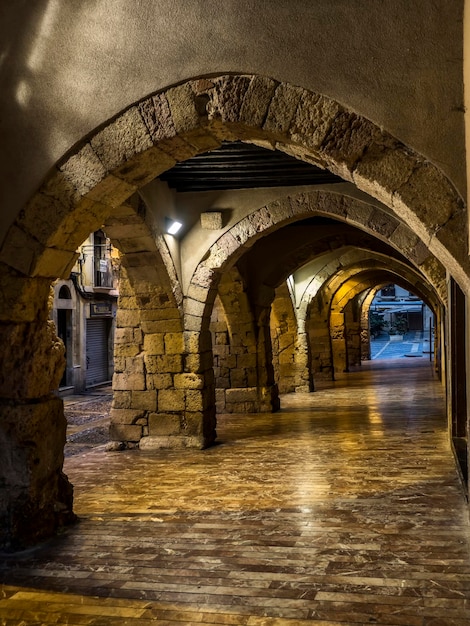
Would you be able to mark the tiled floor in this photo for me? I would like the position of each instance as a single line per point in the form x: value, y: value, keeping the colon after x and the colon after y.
x: 343, y: 509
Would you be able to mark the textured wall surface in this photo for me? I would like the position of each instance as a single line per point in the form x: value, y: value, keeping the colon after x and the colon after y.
x: 68, y: 67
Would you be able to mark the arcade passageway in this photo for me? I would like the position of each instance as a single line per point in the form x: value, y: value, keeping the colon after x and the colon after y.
x: 345, y: 507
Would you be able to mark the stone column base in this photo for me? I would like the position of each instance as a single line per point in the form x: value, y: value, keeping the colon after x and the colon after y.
x: 173, y: 443
x: 35, y: 495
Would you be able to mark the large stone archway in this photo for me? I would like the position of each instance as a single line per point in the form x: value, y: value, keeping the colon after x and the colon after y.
x: 96, y: 178
x: 326, y: 309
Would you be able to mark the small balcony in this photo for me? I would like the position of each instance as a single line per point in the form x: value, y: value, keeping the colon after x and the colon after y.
x: 103, y: 273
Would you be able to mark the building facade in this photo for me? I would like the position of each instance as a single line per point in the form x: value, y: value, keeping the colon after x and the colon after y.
x: 84, y: 313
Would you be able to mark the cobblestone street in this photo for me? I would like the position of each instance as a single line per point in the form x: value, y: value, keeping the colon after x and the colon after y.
x: 87, y: 420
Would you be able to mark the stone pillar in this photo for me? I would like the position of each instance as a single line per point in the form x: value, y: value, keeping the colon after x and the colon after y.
x: 353, y: 333
x: 163, y: 381
x: 243, y: 367
x: 268, y: 393
x: 365, y: 334
x: 302, y: 361
x: 35, y: 495
x: 339, y: 348
x: 320, y: 345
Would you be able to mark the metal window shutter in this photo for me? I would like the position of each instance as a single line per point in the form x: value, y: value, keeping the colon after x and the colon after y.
x: 96, y: 351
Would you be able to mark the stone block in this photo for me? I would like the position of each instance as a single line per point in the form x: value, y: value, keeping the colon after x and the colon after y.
x: 241, y: 395
x: 196, y: 400
x: 246, y: 360
x: 127, y: 319
x: 156, y: 113
x: 188, y: 381
x: 258, y: 96
x: 313, y: 119
x: 173, y: 343
x: 129, y: 381
x: 193, y: 323
x: 211, y: 220
x: 111, y: 192
x: 126, y: 350
x: 171, y: 364
x: 84, y: 170
x: 282, y: 108
x: 125, y: 137
x: 154, y: 344
x: 199, y: 362
x: 33, y: 486
x: 144, y: 167
x: 125, y: 416
x: 238, y: 378
x: 20, y: 251
x: 164, y: 424
x: 146, y: 400
x: 121, y: 400
x: 181, y: 102
x: 194, y: 423
x: 194, y: 307
x: 21, y: 297
x: 382, y: 171
x: 348, y: 138
x: 159, y: 381
x: 171, y: 400
x: 227, y: 97
x: 123, y: 336
x: 151, y: 323
x: 124, y: 432
x: 172, y: 442
x: 32, y: 359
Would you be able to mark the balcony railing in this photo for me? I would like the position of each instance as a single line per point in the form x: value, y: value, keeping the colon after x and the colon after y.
x: 103, y: 273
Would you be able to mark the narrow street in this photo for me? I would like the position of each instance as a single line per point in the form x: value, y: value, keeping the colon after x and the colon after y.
x: 87, y: 420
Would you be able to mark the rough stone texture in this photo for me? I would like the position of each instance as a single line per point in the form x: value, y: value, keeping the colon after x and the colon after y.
x: 382, y: 171
x: 143, y: 168
x: 21, y: 297
x: 427, y: 198
x: 84, y: 170
x: 348, y: 138
x: 282, y: 109
x: 163, y: 424
x: 122, y: 139
x: 33, y: 360
x: 181, y: 101
x: 32, y: 485
x: 211, y: 220
x: 257, y: 99
x: 227, y: 97
x: 313, y: 119
x: 155, y: 112
x: 125, y: 432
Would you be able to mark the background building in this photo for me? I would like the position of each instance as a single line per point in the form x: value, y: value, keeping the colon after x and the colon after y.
x: 84, y: 312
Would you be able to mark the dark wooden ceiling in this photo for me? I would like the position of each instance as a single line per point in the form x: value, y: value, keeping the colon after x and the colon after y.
x: 244, y: 166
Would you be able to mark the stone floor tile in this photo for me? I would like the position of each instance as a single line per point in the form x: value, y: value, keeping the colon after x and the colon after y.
x: 343, y: 508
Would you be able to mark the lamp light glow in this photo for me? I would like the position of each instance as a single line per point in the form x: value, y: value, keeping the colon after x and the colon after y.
x: 173, y: 227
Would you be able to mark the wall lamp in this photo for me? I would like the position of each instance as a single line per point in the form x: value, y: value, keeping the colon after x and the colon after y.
x: 172, y: 226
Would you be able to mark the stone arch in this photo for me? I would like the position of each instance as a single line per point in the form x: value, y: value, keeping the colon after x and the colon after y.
x: 327, y: 328
x: 96, y: 177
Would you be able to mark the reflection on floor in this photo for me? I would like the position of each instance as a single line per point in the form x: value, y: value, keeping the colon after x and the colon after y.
x: 343, y: 508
